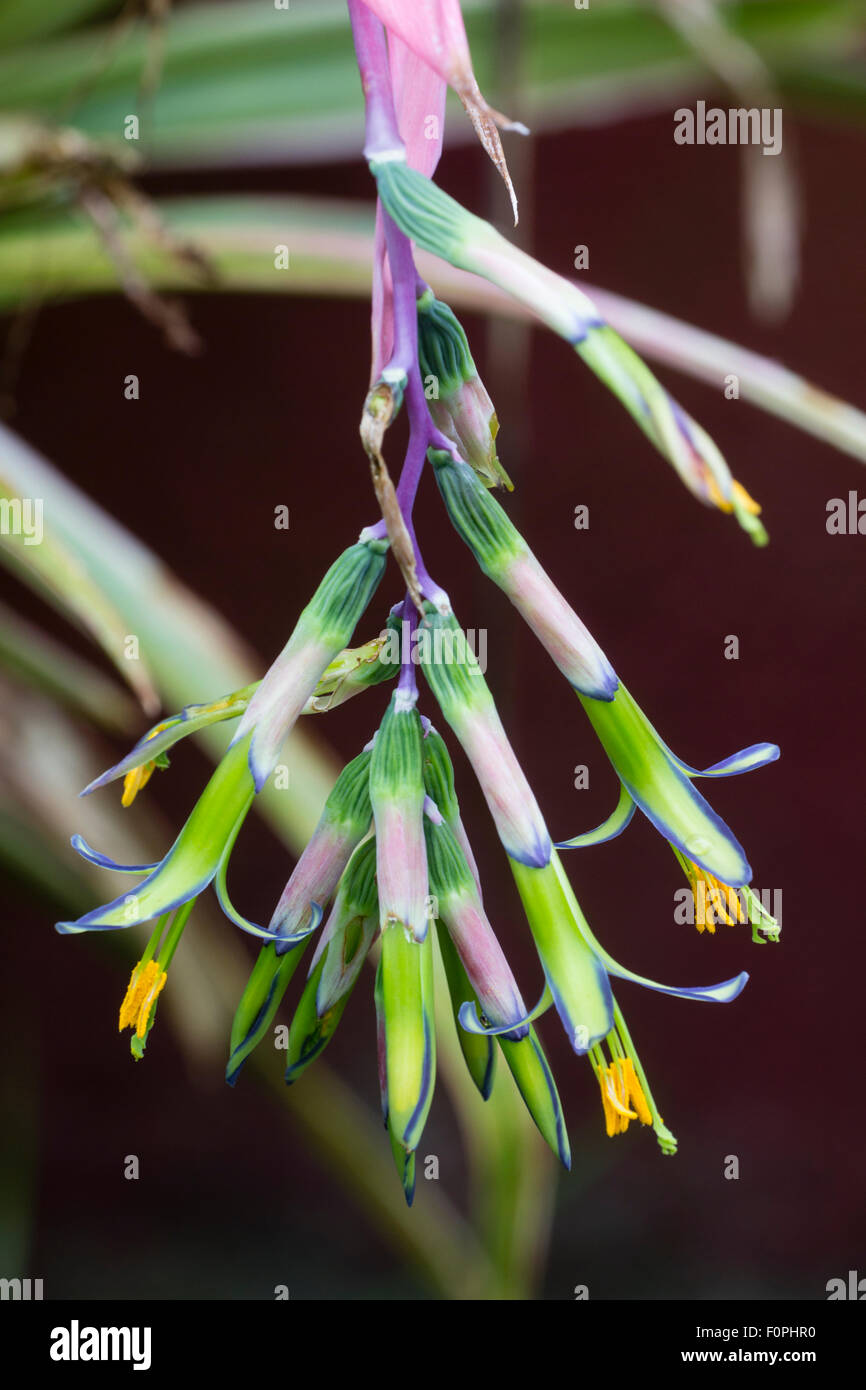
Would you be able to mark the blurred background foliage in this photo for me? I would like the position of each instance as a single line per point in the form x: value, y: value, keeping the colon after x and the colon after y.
x: 222, y: 88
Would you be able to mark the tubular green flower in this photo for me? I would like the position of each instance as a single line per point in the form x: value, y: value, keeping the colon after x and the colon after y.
x: 655, y: 779
x: 343, y: 823
x: 493, y: 987
x: 578, y: 969
x: 341, y: 953
x: 197, y: 856
x: 408, y: 1051
x: 257, y: 1007
x: 652, y: 777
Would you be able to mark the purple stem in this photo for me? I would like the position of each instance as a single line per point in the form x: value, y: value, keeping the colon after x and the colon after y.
x: 382, y: 133
x: 383, y: 137
x: 408, y: 619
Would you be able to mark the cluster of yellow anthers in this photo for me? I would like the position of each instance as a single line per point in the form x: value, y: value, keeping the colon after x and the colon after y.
x: 145, y: 984
x: 714, y: 901
x: 620, y: 1090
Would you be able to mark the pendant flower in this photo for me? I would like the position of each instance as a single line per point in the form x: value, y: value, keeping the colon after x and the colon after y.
x: 651, y: 776
x: 201, y: 852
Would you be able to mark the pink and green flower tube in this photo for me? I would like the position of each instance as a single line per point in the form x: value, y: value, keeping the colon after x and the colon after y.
x: 324, y: 628
x: 397, y: 798
x: 493, y: 987
x: 456, y: 396
x: 443, y: 227
x: 407, y: 1051
x: 345, y: 942
x: 344, y: 822
x: 461, y: 691
x: 505, y: 558
x: 652, y: 777
x: 439, y: 786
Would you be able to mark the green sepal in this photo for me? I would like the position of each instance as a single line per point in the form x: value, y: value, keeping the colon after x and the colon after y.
x: 443, y: 348
x: 356, y: 894
x: 450, y: 666
x: 447, y: 871
x: 410, y: 1043
x: 479, y: 1052
x: 534, y: 1080
x: 259, y: 1002
x: 339, y: 602
x: 439, y: 776
x: 430, y: 217
x: 310, y: 1032
x: 349, y: 802
x: 475, y: 514
x: 396, y: 766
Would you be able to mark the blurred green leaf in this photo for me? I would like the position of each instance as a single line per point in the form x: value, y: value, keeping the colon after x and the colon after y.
x: 247, y: 81
x: 56, y: 572
x: 330, y: 249
x: 24, y: 20
x: 35, y: 659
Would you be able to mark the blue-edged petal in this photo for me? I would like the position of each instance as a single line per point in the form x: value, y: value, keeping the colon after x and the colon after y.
x: 193, y: 859
x: 518, y: 1028
x: 252, y: 928
x: 93, y: 856
x: 721, y: 993
x: 609, y: 829
x: 170, y: 731
x: 756, y: 755
x: 664, y: 791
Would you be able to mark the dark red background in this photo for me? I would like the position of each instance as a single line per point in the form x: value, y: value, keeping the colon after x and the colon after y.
x: 269, y: 414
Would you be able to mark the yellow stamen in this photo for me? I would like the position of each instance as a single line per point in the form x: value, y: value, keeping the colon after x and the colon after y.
x: 714, y: 900
x: 622, y: 1096
x: 145, y: 984
x: 634, y: 1090
x: 739, y: 494
x: 134, y: 780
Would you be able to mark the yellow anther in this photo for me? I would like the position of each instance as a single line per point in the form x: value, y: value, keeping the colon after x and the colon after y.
x: 145, y: 984
x: 622, y: 1096
x: 739, y: 496
x: 714, y: 900
x: 634, y: 1090
x: 134, y: 780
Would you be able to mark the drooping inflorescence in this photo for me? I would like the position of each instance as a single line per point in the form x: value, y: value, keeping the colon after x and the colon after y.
x: 388, y: 881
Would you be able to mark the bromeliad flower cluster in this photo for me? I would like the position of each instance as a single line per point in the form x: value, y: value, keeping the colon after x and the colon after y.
x: 390, y: 856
